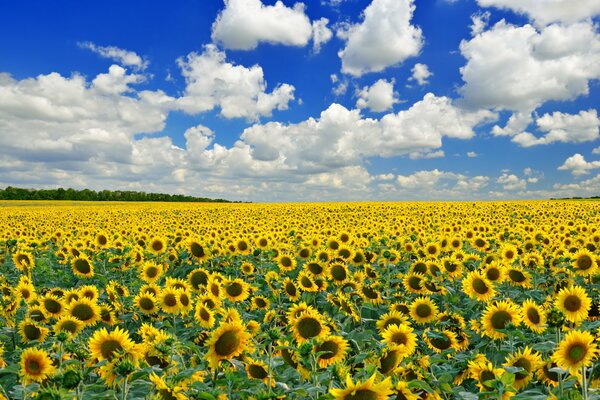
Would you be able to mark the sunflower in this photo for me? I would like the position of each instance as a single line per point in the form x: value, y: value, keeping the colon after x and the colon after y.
x: 548, y: 375
x: 23, y: 261
x: 52, y: 305
x: 185, y: 301
x: 495, y: 272
x: 89, y: 292
x: 338, y: 272
x: 392, y: 317
x: 367, y: 390
x: 309, y: 324
x: 236, y: 290
x: 584, y: 263
x: 167, y: 391
x: 575, y: 351
x: 290, y: 289
x: 101, y: 240
x: 157, y: 245
x: 414, y: 282
x: 198, y: 278
x: 483, y: 372
x: 107, y: 314
x: 68, y: 324
x: 204, y: 316
x: 31, y: 331
x: 402, y: 338
x: 452, y: 267
x: 534, y: 316
x: 169, y: 300
x: 423, y: 310
x: 36, y: 365
x: 196, y: 250
x: 84, y: 310
x: 106, y: 346
x: 518, y: 277
x: 150, y: 272
x: 260, y: 303
x: 389, y: 360
x: 497, y: 316
x: 286, y: 262
x: 306, y: 283
x: 332, y: 349
x: 402, y: 391
x: 574, y: 303
x: 26, y: 290
x: 509, y: 252
x: 527, y: 359
x: 82, y: 266
x: 478, y: 287
x: 229, y: 340
x: 440, y: 340
x: 258, y: 370
x: 247, y: 268
x: 146, y: 303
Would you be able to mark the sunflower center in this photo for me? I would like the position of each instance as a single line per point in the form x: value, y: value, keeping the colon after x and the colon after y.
x: 331, y: 347
x: 493, y: 274
x: 572, y: 303
x: 170, y: 300
x: 83, y: 312
x: 369, y: 292
x: 102, y: 240
x: 414, y: 282
x: 576, y: 353
x: 338, y: 273
x: 309, y: 327
x: 82, y: 266
x: 441, y: 343
x: 234, y: 289
x: 516, y: 276
x: 197, y: 250
x: 315, y: 268
x: 389, y: 361
x: 450, y: 267
x: 227, y: 343
x: 146, y: 303
x: 423, y: 310
x: 344, y: 253
x: 198, y: 278
x: 33, y: 366
x: 286, y: 262
x: 480, y: 286
x: 52, y: 306
x: 362, y: 394
x: 526, y: 365
x: 69, y: 326
x: 486, y: 376
x: 242, y: 246
x: 500, y: 319
x: 584, y: 262
x: 151, y: 272
x: 509, y: 254
x: 290, y: 289
x: 204, y: 315
x: 391, y: 321
x: 479, y: 242
x: 533, y: 315
x: 399, y: 338
x: 184, y: 299
x: 109, y: 347
x: 257, y: 371
x: 32, y: 332
x: 157, y: 245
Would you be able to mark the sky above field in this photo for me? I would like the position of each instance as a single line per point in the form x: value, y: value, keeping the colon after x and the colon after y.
x: 303, y: 101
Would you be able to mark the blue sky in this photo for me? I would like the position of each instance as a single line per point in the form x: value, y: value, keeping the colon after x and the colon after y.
x: 303, y: 101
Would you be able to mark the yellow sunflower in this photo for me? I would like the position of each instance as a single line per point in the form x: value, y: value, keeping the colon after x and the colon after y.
x: 36, y: 365
x: 368, y: 390
x: 169, y: 300
x: 82, y: 266
x: 52, y: 305
x: 497, y: 316
x: 229, y: 340
x: 146, y: 303
x: 534, y: 316
x: 584, y: 263
x: 290, y: 289
x: 478, y: 287
x: 106, y: 346
x: 150, y: 272
x: 440, y: 340
x: 332, y: 349
x: 258, y: 370
x: 204, y: 315
x: 286, y: 262
x: 198, y: 278
x: 236, y: 290
x: 309, y: 324
x: 574, y: 303
x: 400, y: 337
x: 85, y: 310
x: 575, y: 351
x: 23, y: 261
x: 31, y: 331
x: 392, y: 317
x: 423, y: 310
x: 527, y: 359
x: 68, y: 324
x: 157, y: 245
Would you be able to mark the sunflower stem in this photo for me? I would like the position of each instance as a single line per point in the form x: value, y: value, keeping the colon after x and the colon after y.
x: 584, y: 391
x: 173, y: 344
x: 270, y: 380
x: 125, y: 389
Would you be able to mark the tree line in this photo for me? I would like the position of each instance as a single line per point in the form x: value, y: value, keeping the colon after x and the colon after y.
x: 14, y: 193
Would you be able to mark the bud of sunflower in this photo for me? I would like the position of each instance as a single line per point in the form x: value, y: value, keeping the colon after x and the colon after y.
x: 70, y: 379
x: 62, y: 336
x: 125, y: 367
x: 274, y: 334
x: 555, y: 318
x: 48, y: 394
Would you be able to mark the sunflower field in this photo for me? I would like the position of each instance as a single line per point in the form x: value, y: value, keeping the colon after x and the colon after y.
x: 369, y: 301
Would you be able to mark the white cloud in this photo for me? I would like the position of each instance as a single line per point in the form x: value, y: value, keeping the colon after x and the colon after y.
x: 243, y: 24
x: 238, y: 91
x: 532, y: 175
x: 516, y: 124
x: 420, y: 73
x: 596, y: 150
x: 446, y: 184
x: 544, y: 12
x: 384, y: 38
x: 433, y: 154
x: 471, y: 154
x: 123, y: 57
x: 425, y: 178
x: 577, y: 165
x: 511, y: 182
x: 588, y: 187
x: 116, y: 81
x: 520, y: 68
x: 479, y: 22
x: 379, y: 97
x: 321, y: 33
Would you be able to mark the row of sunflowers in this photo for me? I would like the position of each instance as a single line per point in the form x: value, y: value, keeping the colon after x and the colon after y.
x: 303, y: 301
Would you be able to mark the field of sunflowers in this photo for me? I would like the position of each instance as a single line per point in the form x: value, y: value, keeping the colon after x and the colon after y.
x: 369, y: 301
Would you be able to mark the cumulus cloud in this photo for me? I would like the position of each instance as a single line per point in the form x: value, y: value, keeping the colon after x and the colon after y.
x: 378, y: 97
x: 420, y: 73
x: 238, y: 91
x: 243, y: 24
x: 519, y: 68
x: 471, y: 154
x: 511, y: 182
x: 544, y: 12
x: 479, y: 22
x: 596, y: 150
x: 384, y: 38
x: 577, y: 165
x: 123, y: 57
x: 321, y: 33
x: 433, y: 154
